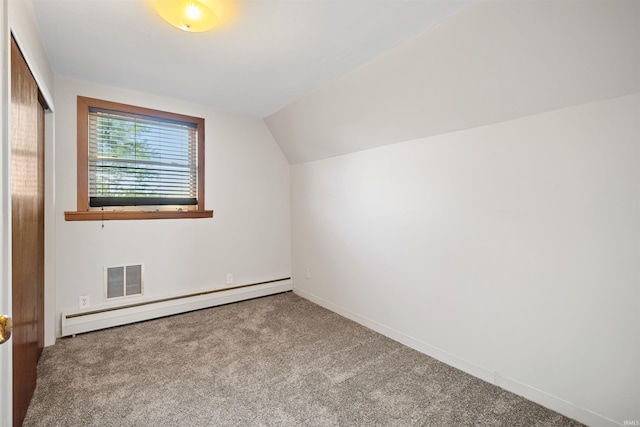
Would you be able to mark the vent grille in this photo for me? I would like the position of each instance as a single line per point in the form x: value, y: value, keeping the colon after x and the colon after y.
x: 123, y: 281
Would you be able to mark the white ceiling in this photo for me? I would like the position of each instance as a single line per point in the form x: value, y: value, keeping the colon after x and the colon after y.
x: 264, y: 54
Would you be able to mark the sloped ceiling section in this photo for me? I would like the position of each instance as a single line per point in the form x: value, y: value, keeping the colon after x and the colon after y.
x: 494, y: 61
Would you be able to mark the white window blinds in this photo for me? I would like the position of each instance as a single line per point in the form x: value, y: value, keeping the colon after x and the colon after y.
x: 141, y: 160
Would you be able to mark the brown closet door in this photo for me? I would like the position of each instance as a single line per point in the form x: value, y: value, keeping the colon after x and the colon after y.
x: 27, y: 210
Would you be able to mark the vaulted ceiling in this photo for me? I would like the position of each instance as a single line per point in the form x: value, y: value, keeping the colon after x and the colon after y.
x: 263, y: 55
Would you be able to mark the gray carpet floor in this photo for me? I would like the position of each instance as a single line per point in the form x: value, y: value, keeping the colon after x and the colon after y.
x: 274, y: 361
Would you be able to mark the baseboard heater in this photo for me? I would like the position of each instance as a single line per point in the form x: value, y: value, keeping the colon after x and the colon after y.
x: 92, y: 320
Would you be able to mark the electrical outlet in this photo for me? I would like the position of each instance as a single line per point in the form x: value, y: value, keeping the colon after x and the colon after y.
x: 84, y: 301
x: 307, y: 274
x: 229, y: 278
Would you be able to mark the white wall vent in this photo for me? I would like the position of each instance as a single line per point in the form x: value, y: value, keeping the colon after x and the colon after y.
x: 123, y: 281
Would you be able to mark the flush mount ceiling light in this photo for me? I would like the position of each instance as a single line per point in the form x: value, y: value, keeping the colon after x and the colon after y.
x: 188, y: 15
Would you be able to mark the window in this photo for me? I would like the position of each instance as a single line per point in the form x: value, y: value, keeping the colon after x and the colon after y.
x: 138, y: 163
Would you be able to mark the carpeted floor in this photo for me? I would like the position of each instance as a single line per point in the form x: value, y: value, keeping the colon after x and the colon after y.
x: 274, y: 361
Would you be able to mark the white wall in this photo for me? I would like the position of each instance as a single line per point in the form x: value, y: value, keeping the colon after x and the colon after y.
x: 246, y: 184
x: 496, y: 60
x: 501, y: 232
x: 510, y: 251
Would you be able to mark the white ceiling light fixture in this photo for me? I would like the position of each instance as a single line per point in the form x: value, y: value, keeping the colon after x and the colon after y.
x: 188, y: 15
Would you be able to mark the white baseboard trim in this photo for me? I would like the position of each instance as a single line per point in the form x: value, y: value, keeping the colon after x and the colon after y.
x: 540, y: 397
x: 91, y: 320
x: 554, y: 403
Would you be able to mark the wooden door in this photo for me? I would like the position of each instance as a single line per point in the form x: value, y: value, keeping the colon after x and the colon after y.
x: 27, y: 210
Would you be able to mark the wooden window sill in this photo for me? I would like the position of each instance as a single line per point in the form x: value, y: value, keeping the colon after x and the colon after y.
x: 124, y: 215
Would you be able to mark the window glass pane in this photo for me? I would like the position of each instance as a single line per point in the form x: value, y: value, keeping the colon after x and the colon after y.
x: 135, y: 158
